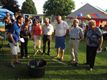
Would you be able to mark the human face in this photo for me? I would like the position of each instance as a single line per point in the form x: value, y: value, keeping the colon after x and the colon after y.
x: 7, y: 14
x: 92, y: 24
x: 36, y: 23
x: 21, y: 20
x: 75, y: 23
x: 46, y: 21
x: 58, y: 18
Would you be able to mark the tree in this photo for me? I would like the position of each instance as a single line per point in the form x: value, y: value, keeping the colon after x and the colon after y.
x: 28, y: 7
x: 58, y: 7
x: 11, y: 5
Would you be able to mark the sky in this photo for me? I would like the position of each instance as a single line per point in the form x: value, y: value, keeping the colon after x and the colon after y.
x: 79, y: 3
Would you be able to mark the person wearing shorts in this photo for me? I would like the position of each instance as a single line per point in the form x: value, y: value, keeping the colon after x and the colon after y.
x: 36, y: 35
x: 13, y: 37
x: 60, y: 33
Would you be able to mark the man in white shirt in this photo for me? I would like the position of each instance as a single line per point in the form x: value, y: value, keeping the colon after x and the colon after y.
x: 60, y: 33
x: 47, y: 32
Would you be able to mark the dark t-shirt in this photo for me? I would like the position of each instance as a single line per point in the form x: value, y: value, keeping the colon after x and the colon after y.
x: 93, y: 36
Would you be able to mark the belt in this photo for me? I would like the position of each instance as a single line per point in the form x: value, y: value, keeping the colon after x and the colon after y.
x: 75, y: 38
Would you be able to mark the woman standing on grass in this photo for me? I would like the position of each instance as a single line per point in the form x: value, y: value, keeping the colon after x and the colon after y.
x: 36, y: 35
x: 25, y: 34
x: 94, y: 41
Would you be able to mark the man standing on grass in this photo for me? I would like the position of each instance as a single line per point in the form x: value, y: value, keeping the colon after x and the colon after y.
x: 76, y: 34
x: 14, y: 36
x: 60, y: 33
x: 47, y: 33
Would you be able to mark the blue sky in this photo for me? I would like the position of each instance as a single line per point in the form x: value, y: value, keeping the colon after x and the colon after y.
x: 97, y: 3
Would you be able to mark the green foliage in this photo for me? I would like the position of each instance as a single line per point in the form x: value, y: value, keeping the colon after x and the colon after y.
x: 58, y: 7
x: 11, y: 5
x: 28, y: 7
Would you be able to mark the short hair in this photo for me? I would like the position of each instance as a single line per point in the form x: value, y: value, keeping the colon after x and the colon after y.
x: 76, y: 20
x: 58, y: 17
x: 92, y: 22
x: 37, y: 20
x: 19, y: 17
x: 5, y: 18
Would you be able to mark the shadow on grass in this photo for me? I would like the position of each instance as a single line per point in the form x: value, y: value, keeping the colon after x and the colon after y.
x: 53, y: 71
x: 65, y: 76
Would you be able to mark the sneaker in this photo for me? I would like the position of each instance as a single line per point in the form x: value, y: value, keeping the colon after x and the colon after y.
x: 12, y: 65
x: 99, y: 51
x: 27, y: 56
x: 23, y: 57
x: 91, y: 69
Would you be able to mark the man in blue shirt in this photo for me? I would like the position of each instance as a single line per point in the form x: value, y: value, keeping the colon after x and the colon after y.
x: 14, y: 36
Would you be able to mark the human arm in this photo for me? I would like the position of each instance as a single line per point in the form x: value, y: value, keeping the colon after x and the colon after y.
x: 10, y: 36
x: 1, y: 37
x: 81, y: 34
x: 100, y: 43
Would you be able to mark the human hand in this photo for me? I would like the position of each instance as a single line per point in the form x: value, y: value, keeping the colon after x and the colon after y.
x: 1, y: 37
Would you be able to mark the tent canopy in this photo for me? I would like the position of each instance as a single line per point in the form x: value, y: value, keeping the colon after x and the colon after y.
x: 89, y: 12
x: 3, y: 12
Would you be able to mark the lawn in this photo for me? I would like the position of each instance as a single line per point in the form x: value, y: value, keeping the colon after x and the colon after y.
x: 55, y: 70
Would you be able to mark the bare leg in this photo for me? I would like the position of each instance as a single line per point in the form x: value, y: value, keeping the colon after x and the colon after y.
x: 62, y: 54
x: 58, y: 52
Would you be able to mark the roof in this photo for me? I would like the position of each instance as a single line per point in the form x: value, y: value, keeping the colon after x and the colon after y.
x: 89, y: 11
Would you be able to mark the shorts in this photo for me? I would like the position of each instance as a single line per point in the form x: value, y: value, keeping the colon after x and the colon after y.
x: 14, y: 49
x: 60, y: 42
x: 37, y: 38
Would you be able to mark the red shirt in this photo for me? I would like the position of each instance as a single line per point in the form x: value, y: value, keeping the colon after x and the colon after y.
x: 37, y: 30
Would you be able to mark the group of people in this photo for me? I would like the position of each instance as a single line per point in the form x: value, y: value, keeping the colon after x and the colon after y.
x: 20, y: 29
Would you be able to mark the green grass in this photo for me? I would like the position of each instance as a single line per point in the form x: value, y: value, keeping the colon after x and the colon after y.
x: 54, y: 69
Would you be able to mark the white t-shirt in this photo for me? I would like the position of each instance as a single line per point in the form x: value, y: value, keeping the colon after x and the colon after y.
x: 48, y: 30
x: 61, y: 29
